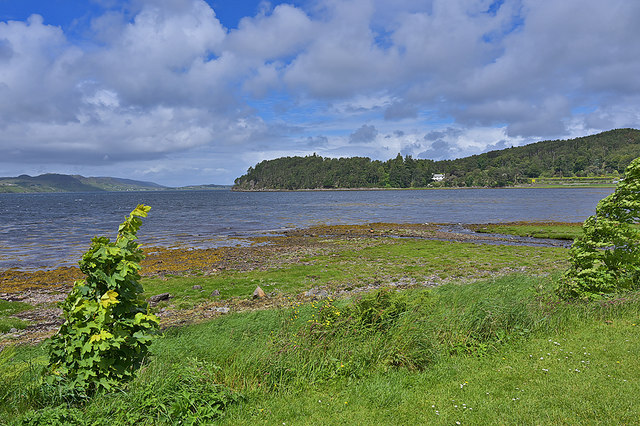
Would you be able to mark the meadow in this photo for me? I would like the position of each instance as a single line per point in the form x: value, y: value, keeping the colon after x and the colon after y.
x: 413, y: 331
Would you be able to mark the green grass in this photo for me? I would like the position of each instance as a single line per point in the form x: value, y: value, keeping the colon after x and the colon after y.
x: 501, y: 350
x: 509, y: 386
x: 405, y: 261
x: 560, y: 231
x: 7, y: 309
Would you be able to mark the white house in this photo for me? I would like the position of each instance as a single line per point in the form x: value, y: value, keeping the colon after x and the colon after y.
x: 437, y: 177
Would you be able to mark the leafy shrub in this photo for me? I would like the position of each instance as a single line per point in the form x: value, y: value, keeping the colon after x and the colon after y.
x: 108, y: 329
x: 606, y: 258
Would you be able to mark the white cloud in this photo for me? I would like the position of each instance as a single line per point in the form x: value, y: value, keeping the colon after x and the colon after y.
x: 343, y: 59
x: 365, y: 134
x: 161, y: 85
x: 267, y: 37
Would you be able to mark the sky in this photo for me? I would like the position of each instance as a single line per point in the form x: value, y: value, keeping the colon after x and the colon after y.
x: 185, y: 92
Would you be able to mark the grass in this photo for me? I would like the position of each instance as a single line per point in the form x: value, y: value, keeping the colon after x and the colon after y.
x: 510, y: 386
x: 399, y: 261
x: 560, y: 231
x: 501, y: 350
x: 8, y: 308
x: 490, y: 344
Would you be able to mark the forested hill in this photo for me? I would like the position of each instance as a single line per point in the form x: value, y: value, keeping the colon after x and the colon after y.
x: 604, y: 154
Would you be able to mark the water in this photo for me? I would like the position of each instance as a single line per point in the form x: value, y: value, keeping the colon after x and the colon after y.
x: 49, y: 230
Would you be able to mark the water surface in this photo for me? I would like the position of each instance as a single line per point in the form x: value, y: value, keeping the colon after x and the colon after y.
x: 48, y: 230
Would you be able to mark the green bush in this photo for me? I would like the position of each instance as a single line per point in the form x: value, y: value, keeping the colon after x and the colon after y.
x: 606, y: 258
x: 108, y: 329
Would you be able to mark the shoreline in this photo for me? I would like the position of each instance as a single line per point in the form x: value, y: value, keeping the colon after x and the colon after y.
x: 191, y: 257
x: 558, y: 186
x: 176, y: 271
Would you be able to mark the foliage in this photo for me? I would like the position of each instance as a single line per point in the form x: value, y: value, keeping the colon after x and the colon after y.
x: 107, y: 330
x: 607, y: 153
x: 317, y: 172
x: 185, y: 392
x: 377, y: 310
x: 59, y: 415
x: 606, y: 258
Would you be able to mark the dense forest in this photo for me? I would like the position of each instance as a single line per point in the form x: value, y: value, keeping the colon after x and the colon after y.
x: 606, y: 153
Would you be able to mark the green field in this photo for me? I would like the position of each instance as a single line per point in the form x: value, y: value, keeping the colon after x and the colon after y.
x: 416, y: 332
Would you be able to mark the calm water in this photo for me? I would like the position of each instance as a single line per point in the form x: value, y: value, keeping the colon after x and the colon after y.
x: 47, y: 230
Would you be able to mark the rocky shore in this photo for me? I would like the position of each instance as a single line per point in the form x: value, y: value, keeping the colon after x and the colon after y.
x: 43, y: 289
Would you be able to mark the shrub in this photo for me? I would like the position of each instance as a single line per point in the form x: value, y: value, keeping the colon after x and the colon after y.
x: 108, y: 329
x: 606, y: 258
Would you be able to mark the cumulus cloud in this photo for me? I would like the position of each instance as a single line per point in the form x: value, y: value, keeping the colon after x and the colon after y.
x: 439, y: 150
x: 317, y: 142
x: 156, y: 82
x: 273, y: 36
x: 449, y: 132
x: 365, y: 134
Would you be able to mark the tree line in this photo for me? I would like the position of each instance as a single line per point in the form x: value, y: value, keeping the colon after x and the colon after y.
x: 607, y: 153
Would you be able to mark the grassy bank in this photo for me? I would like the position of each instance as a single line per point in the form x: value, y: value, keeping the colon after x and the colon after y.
x: 416, y: 331
x: 7, y: 311
x: 557, y: 230
x: 502, y: 350
x: 339, y: 259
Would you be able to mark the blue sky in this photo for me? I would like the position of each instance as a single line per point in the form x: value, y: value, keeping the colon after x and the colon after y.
x: 190, y: 91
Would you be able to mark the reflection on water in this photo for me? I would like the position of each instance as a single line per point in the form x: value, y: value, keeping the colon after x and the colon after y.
x: 47, y: 230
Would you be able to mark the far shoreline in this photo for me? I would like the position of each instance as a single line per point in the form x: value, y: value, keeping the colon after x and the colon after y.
x: 427, y: 188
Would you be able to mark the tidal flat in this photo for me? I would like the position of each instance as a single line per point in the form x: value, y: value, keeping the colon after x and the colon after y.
x: 341, y: 260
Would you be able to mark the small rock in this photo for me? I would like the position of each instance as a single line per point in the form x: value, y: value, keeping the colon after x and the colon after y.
x: 154, y: 300
x: 197, y: 287
x: 259, y: 293
x: 215, y: 293
x: 13, y: 330
x: 222, y: 310
x: 317, y: 293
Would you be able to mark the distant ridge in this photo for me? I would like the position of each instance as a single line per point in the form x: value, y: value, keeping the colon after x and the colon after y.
x: 54, y: 182
x: 603, y: 156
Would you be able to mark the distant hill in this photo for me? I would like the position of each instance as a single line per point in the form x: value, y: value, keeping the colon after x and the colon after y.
x: 52, y: 182
x: 603, y: 154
